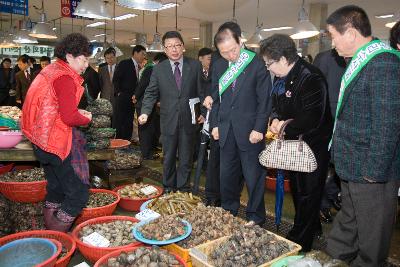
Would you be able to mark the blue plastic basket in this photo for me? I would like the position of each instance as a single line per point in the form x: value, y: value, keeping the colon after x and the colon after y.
x: 26, y: 252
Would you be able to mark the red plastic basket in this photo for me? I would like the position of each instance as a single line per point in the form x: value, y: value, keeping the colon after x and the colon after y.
x: 6, y: 168
x: 63, y: 238
x: 27, y: 192
x: 90, y: 213
x: 114, y: 254
x: 51, y: 262
x: 270, y: 184
x: 134, y: 204
x: 93, y: 253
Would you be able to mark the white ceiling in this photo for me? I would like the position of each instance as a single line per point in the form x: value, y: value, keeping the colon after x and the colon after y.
x: 191, y: 13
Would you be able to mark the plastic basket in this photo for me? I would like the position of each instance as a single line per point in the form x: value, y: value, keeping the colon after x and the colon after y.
x: 93, y: 253
x: 116, y: 253
x: 6, y: 168
x: 9, y: 122
x: 90, y: 213
x: 134, y: 204
x: 67, y: 241
x: 26, y: 192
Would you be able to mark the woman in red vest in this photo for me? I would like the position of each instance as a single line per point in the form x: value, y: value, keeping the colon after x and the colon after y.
x: 49, y: 118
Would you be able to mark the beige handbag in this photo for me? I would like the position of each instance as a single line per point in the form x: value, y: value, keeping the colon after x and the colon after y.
x: 292, y: 155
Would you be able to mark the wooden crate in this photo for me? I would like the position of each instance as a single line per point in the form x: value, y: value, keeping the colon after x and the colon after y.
x: 199, y: 255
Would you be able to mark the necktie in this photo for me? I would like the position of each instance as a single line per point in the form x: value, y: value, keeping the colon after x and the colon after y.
x: 110, y: 71
x: 178, y: 77
x: 27, y: 75
x: 205, y: 73
x: 137, y: 71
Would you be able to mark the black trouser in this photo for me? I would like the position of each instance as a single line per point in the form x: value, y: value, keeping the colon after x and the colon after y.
x: 235, y: 164
x: 212, y: 189
x: 306, y: 189
x: 147, y: 133
x: 63, y: 185
x: 123, y: 116
x: 177, y: 177
x: 331, y: 190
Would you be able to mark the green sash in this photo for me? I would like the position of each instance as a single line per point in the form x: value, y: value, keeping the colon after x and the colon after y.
x: 235, y: 69
x: 363, y: 55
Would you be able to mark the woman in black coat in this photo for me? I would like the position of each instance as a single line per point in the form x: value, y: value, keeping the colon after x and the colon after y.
x: 300, y: 93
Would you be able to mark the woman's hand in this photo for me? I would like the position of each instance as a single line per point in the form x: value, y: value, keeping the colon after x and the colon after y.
x: 276, y: 126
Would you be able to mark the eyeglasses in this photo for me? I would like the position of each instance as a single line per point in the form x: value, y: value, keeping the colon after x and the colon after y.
x: 175, y: 46
x: 268, y: 64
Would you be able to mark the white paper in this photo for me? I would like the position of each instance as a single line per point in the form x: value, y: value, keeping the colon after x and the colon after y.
x: 97, y: 240
x: 192, y: 102
x: 82, y: 264
x: 148, y: 190
x: 147, y: 214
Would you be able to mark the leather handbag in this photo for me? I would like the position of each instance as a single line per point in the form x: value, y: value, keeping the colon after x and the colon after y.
x: 292, y: 155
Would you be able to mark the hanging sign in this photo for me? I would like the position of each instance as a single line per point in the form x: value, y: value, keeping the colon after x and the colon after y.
x: 68, y: 8
x: 31, y: 50
x: 14, y: 7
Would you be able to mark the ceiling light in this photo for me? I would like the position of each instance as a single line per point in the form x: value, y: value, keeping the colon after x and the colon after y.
x: 166, y: 6
x: 22, y: 37
x: 95, y: 24
x: 243, y: 37
x: 100, y: 34
x: 384, y: 16
x: 126, y: 16
x: 42, y: 29
x: 54, y: 28
x: 394, y: 20
x: 277, y: 29
x: 93, y: 9
x: 156, y: 46
x: 141, y: 4
x: 93, y: 41
x: 304, y: 29
x: 196, y: 38
x: 255, y: 40
x: 390, y: 24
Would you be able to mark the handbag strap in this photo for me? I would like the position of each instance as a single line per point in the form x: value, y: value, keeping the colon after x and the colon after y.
x: 282, y: 138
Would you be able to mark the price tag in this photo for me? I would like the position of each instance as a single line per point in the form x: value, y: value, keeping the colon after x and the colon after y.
x: 147, y: 214
x: 82, y: 264
x: 97, y: 240
x: 148, y: 190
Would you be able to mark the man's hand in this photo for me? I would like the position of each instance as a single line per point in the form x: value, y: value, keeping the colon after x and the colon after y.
x: 18, y: 101
x: 200, y: 119
x: 255, y: 137
x: 134, y: 101
x: 208, y: 101
x: 215, y: 133
x: 142, y: 119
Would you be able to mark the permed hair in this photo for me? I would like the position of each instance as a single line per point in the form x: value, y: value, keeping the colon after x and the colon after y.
x: 75, y: 44
x: 277, y: 46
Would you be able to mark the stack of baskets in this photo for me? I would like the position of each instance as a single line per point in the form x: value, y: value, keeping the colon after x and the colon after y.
x: 99, y: 133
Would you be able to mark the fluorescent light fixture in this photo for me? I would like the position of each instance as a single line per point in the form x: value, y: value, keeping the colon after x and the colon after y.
x: 304, y: 29
x: 141, y: 4
x: 277, y: 29
x: 42, y: 29
x: 100, y: 34
x: 166, y: 6
x: 386, y: 16
x: 93, y: 9
x: 93, y: 41
x: 95, y: 24
x: 390, y: 24
x: 196, y: 38
x: 126, y: 16
x: 54, y: 28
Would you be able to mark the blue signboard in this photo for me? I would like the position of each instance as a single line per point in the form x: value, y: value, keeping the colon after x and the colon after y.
x: 14, y: 6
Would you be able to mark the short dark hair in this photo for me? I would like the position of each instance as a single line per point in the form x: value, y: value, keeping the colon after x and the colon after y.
x: 350, y: 16
x: 6, y: 59
x: 44, y: 58
x: 23, y: 58
x: 138, y: 49
x: 172, y: 34
x: 204, y: 52
x: 277, y: 46
x: 395, y: 36
x: 75, y: 44
x: 32, y: 60
x: 227, y: 30
x: 160, y: 57
x: 109, y: 51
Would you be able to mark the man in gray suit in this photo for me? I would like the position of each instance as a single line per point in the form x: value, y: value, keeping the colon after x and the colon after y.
x: 176, y: 81
x: 106, y: 74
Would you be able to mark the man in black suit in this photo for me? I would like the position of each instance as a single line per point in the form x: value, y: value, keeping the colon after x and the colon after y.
x: 23, y: 79
x: 239, y: 122
x: 148, y: 136
x: 92, y: 87
x: 125, y: 80
x: 175, y: 81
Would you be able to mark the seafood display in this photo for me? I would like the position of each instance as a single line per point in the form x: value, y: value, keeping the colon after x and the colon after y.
x: 208, y: 223
x: 248, y: 246
x: 5, y: 222
x: 31, y: 175
x: 119, y: 233
x: 142, y: 256
x: 26, y: 216
x: 100, y: 200
x: 96, y: 133
x: 163, y: 228
x: 134, y: 191
x: 125, y: 159
x: 98, y: 144
x: 100, y: 106
x: 173, y: 203
x: 11, y: 112
x: 100, y: 121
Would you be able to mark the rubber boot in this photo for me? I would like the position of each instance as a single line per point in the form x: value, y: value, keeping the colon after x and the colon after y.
x: 48, y: 210
x: 53, y: 222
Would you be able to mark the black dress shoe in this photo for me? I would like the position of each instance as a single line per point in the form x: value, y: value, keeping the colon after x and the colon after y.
x: 325, y: 216
x: 337, y: 204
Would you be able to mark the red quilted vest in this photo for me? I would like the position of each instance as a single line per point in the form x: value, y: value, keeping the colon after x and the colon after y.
x: 41, y: 122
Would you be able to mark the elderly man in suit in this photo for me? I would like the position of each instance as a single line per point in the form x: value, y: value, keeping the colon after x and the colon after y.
x: 239, y: 121
x: 175, y: 81
x: 23, y: 78
x: 125, y: 80
x: 366, y: 140
x: 106, y: 74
